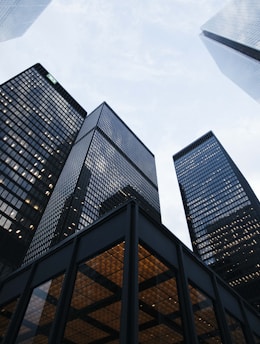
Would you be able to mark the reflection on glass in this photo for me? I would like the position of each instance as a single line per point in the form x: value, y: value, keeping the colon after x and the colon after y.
x: 6, y: 313
x: 95, y: 308
x: 40, y: 312
x: 204, y: 317
x: 236, y: 331
x: 159, y: 312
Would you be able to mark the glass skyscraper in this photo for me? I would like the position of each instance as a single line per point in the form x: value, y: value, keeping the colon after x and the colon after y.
x: 223, y: 214
x: 107, y: 165
x: 39, y: 124
x: 232, y: 38
x: 16, y: 16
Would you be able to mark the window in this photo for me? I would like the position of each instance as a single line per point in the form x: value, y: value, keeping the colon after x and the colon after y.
x: 236, y: 330
x: 95, y: 308
x: 159, y: 311
x: 6, y: 313
x: 40, y: 312
x: 204, y: 317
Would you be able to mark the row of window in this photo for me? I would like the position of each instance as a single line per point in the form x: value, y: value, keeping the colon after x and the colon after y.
x: 200, y: 171
x: 33, y: 78
x: 37, y: 120
x: 128, y: 143
x: 181, y: 163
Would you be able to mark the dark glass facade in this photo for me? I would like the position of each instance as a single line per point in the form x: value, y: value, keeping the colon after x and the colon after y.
x: 39, y: 124
x: 125, y: 279
x: 16, y: 16
x: 223, y: 214
x: 232, y: 38
x: 107, y: 160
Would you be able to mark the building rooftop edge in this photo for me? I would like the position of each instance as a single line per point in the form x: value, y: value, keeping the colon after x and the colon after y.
x: 192, y: 145
x: 104, y: 103
x: 55, y: 84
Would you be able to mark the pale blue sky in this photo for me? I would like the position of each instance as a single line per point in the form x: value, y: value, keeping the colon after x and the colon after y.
x: 145, y: 58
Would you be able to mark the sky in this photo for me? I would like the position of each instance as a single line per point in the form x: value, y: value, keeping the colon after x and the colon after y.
x: 146, y: 60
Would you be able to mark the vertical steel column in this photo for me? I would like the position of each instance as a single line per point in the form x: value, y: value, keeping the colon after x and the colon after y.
x: 57, y: 329
x: 20, y: 310
x: 130, y: 304
x: 220, y: 313
x: 246, y: 327
x: 190, y: 335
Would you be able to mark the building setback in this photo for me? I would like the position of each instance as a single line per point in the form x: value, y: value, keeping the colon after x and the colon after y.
x: 125, y: 279
x: 39, y: 124
x: 232, y: 38
x: 107, y: 165
x: 222, y: 213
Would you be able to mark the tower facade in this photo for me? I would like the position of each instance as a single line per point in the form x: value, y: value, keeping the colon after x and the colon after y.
x: 222, y: 212
x: 16, y: 16
x: 107, y: 165
x: 232, y: 38
x: 39, y: 124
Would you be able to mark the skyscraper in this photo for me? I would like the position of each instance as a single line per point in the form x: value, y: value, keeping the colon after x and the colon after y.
x: 232, y: 38
x: 39, y: 123
x: 107, y: 165
x: 223, y: 214
x: 16, y: 16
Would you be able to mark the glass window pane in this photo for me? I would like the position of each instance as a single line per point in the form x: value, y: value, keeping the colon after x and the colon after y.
x: 40, y: 312
x: 6, y: 313
x: 95, y: 307
x: 159, y: 311
x: 236, y: 330
x: 204, y: 317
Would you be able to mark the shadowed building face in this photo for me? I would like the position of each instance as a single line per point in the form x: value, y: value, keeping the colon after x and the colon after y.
x: 232, y: 38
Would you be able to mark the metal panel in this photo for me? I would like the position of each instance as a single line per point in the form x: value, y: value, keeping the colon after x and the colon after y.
x: 14, y: 286
x: 52, y: 264
x: 230, y: 302
x: 101, y: 234
x: 158, y: 238
x: 197, y: 273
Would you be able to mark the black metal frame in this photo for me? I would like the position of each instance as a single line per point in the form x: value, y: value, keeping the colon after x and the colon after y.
x: 131, y: 224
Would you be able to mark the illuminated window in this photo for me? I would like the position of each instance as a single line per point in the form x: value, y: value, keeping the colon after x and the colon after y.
x: 204, y: 317
x: 159, y: 312
x: 95, y: 308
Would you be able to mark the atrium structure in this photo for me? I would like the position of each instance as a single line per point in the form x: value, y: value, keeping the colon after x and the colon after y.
x: 124, y: 279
